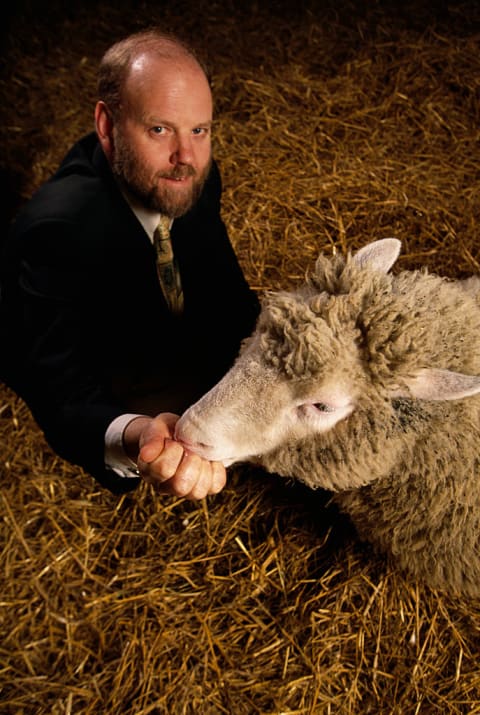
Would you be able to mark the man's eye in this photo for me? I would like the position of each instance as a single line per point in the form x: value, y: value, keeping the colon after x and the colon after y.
x: 158, y: 130
x: 200, y: 130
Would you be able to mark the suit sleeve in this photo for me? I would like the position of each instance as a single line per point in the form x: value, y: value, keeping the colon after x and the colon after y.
x: 62, y: 375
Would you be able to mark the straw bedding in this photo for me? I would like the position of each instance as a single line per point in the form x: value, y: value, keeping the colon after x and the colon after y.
x: 337, y: 123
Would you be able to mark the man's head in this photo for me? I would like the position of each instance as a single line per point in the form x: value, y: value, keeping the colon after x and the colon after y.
x: 153, y: 119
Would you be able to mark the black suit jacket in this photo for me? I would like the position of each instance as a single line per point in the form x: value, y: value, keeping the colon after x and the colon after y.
x: 87, y: 332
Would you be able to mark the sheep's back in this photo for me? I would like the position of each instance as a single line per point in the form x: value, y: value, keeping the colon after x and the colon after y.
x: 426, y: 512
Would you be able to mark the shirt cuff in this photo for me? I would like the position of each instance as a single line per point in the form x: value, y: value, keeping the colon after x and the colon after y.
x: 115, y: 456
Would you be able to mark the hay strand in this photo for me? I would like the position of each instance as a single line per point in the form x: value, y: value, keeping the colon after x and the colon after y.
x: 337, y: 123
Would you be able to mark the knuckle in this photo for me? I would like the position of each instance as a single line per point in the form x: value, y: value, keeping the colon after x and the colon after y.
x: 183, y: 484
x: 166, y: 465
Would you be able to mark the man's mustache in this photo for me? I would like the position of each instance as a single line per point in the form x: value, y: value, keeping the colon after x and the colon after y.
x: 181, y: 171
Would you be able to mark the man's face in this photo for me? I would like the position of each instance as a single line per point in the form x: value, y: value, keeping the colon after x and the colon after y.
x: 162, y: 140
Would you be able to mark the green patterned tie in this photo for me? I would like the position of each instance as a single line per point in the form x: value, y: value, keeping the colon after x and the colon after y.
x: 167, y: 269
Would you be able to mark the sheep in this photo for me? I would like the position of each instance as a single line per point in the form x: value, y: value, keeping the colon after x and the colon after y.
x: 365, y: 383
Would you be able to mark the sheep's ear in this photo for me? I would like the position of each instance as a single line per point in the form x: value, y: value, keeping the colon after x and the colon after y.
x: 434, y: 384
x: 378, y: 255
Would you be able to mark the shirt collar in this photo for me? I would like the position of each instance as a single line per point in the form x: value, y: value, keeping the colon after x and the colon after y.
x: 148, y: 218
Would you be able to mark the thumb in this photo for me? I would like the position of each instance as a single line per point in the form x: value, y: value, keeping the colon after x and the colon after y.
x: 152, y: 441
x: 151, y: 448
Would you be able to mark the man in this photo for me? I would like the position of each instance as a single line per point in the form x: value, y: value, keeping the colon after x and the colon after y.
x: 102, y: 351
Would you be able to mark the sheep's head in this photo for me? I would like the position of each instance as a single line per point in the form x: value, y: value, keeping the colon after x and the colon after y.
x: 295, y: 376
x: 313, y: 360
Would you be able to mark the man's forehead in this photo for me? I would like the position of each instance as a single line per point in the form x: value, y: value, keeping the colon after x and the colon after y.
x: 166, y: 74
x: 175, y: 60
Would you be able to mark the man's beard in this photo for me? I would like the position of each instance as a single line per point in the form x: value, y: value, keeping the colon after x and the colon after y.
x: 169, y: 202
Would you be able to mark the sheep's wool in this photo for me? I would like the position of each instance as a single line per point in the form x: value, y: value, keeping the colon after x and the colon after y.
x: 366, y: 383
x: 405, y: 470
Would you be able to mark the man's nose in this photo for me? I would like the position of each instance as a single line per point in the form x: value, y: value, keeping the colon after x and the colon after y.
x: 182, y: 150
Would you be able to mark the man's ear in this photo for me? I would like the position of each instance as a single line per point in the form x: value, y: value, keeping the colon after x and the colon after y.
x: 104, y: 127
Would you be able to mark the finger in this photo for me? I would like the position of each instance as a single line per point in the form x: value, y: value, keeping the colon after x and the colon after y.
x: 203, y: 483
x: 210, y: 477
x: 153, y: 439
x: 150, y: 451
x: 219, y: 477
x: 165, y: 464
x: 189, y: 473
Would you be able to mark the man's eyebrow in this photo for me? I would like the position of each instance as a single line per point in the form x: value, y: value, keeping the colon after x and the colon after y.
x: 154, y: 121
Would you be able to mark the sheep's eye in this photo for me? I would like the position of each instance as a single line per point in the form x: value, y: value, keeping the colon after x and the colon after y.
x: 322, y: 407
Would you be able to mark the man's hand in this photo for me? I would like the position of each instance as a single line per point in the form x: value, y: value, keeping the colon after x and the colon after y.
x: 164, y: 462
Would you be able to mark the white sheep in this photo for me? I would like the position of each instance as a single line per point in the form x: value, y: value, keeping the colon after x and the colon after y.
x: 357, y: 383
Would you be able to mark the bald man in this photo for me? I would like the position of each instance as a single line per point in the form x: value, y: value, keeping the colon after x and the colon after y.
x: 104, y: 359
